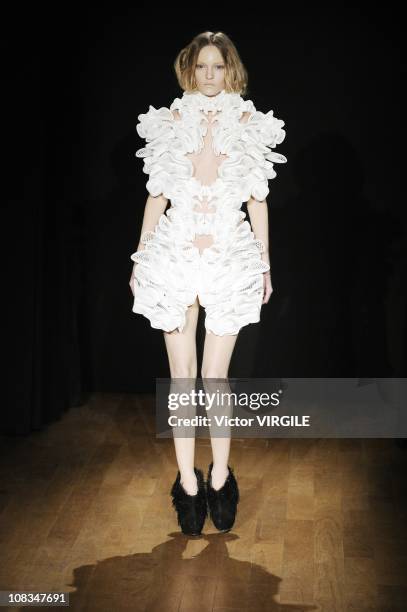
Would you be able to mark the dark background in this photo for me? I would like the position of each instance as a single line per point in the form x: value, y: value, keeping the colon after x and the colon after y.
x: 74, y: 82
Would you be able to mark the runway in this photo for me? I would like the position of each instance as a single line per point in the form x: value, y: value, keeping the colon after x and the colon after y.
x: 85, y: 509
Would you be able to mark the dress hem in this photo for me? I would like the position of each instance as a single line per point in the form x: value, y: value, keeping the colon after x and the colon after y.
x: 208, y: 327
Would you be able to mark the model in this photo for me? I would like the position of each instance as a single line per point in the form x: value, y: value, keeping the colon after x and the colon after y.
x: 207, y: 153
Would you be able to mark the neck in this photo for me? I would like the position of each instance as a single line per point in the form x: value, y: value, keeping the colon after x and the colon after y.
x: 219, y: 93
x: 200, y: 101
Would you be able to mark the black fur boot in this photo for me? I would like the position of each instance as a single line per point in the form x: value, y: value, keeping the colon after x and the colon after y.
x: 222, y: 503
x: 191, y: 509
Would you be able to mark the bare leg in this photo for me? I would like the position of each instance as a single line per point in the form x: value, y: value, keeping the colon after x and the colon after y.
x: 181, y: 349
x: 215, y: 364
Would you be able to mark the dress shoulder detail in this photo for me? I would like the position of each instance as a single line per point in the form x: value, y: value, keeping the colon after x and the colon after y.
x: 156, y: 126
x: 261, y: 133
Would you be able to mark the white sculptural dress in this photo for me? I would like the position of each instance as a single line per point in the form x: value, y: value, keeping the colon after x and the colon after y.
x: 172, y: 271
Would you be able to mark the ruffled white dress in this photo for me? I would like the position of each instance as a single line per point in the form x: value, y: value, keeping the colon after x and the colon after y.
x: 172, y: 271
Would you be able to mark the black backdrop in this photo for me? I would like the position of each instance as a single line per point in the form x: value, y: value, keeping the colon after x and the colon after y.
x: 75, y: 81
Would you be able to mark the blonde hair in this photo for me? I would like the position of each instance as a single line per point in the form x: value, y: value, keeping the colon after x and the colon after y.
x: 236, y: 77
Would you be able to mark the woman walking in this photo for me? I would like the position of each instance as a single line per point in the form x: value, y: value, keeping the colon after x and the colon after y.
x: 207, y: 153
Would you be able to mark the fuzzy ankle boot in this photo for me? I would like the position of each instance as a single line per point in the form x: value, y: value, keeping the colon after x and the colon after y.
x: 191, y: 509
x: 223, y: 502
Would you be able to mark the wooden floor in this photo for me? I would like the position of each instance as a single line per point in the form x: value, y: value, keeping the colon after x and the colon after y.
x: 85, y: 508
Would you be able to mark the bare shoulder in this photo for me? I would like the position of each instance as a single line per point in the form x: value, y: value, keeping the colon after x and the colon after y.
x: 177, y: 115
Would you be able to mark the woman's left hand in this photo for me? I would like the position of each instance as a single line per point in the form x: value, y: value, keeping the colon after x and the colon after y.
x: 267, y: 287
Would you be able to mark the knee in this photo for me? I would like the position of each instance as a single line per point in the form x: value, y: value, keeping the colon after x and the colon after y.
x: 183, y: 371
x: 212, y: 372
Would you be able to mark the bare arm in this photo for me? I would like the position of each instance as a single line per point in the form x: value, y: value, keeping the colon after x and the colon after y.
x: 154, y: 208
x: 258, y: 214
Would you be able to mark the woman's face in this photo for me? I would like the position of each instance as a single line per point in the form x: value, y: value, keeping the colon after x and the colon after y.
x: 210, y: 71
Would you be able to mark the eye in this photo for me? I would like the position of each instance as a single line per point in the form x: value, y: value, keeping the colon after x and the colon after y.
x: 220, y: 67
